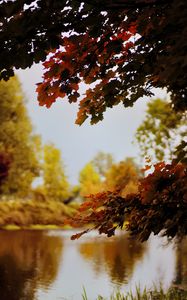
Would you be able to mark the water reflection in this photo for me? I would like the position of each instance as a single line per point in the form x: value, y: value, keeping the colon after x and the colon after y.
x: 28, y: 260
x: 49, y: 266
x: 117, y: 256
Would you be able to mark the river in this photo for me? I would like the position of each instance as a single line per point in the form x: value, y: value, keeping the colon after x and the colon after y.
x: 47, y: 265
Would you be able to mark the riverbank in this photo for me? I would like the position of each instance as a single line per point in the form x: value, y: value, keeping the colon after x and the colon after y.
x: 32, y: 214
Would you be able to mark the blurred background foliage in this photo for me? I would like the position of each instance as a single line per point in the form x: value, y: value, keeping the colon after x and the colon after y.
x: 161, y: 131
x: 17, y: 140
x: 34, y: 187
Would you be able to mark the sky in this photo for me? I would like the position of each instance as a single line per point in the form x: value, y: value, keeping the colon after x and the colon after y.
x: 79, y: 144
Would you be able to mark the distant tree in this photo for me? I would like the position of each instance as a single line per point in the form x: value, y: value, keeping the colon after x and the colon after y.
x: 56, y: 185
x: 16, y: 140
x: 89, y: 180
x: 123, y: 177
x: 102, y: 162
x: 161, y: 131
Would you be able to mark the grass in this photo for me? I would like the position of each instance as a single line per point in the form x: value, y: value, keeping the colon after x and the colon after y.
x: 172, y: 294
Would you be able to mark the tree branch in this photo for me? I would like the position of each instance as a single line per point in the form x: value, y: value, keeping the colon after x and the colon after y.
x: 128, y: 4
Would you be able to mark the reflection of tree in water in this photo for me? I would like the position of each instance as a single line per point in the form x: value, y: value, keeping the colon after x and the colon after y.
x: 117, y: 255
x: 28, y: 260
x: 181, y: 266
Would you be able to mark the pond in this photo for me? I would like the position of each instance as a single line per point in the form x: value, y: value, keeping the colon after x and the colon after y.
x: 47, y: 265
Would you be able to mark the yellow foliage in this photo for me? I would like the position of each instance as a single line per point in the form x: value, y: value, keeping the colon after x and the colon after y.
x: 56, y: 186
x: 123, y: 177
x: 90, y: 182
x: 17, y: 140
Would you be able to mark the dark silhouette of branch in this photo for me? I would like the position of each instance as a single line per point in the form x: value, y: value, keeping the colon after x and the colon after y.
x: 129, y: 4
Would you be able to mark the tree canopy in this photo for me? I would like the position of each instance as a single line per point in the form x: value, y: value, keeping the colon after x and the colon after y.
x: 125, y: 47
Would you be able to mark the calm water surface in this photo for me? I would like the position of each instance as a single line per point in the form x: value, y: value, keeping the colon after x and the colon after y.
x: 47, y: 265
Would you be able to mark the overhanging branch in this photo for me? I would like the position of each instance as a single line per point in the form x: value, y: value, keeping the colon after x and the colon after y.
x: 124, y: 5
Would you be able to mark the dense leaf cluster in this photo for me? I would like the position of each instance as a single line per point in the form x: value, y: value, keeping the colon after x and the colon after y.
x: 124, y: 47
x: 130, y: 53
x: 160, y: 206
